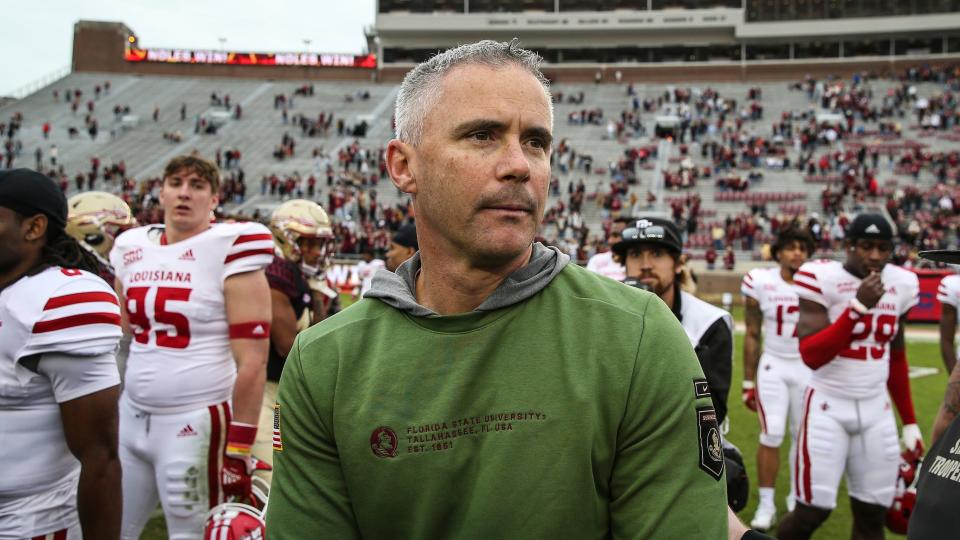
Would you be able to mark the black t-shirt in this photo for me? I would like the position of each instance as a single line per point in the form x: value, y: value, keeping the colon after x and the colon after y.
x: 936, y: 514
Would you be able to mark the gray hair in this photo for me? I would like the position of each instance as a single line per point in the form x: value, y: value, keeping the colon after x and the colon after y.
x: 421, y: 88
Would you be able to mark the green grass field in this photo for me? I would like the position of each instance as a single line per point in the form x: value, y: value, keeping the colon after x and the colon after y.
x: 744, y: 430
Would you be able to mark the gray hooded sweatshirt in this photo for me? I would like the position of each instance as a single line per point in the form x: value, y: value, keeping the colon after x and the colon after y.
x: 398, y: 289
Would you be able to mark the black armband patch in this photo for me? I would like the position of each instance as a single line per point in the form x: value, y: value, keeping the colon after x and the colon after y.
x: 711, y: 447
x: 701, y: 388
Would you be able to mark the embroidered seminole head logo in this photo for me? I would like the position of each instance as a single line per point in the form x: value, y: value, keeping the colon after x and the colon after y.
x: 383, y: 442
x: 714, y: 446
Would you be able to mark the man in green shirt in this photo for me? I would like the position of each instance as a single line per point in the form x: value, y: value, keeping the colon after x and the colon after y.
x: 488, y: 389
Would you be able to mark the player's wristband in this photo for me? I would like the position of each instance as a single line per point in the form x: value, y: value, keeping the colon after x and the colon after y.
x: 250, y: 330
x: 858, y: 306
x: 748, y: 385
x: 240, y: 439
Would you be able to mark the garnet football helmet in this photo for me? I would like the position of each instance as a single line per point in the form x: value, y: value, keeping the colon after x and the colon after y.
x: 234, y: 521
x: 95, y: 219
x: 298, y: 219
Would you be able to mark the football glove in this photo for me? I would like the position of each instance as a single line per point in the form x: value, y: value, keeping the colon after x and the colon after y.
x: 749, y: 394
x: 912, y: 438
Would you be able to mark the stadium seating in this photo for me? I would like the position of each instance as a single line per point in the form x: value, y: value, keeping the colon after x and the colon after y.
x: 144, y: 145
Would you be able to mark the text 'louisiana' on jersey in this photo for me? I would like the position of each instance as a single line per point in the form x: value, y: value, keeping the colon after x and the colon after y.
x: 180, y: 358
x: 859, y: 370
x: 57, y: 310
x: 780, y: 306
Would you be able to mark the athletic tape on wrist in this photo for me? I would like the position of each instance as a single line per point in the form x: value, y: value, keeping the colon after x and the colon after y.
x: 250, y: 330
x: 240, y: 438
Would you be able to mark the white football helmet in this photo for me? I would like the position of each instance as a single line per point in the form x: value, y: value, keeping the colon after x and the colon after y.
x: 234, y: 521
x: 261, y: 492
x: 298, y: 219
x: 95, y: 218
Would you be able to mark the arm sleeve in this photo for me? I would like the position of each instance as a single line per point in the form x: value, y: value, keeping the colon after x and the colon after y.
x: 808, y: 287
x: 822, y: 347
x: 76, y: 376
x: 657, y: 482
x: 747, y: 287
x: 715, y: 352
x: 898, y: 384
x: 309, y: 497
x: 252, y: 249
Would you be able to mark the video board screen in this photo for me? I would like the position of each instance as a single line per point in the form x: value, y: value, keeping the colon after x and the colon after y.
x: 197, y: 56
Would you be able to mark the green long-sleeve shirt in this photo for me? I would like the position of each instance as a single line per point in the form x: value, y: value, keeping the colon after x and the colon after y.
x: 571, y: 414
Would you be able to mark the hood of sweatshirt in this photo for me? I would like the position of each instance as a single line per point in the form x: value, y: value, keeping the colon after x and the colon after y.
x: 398, y: 289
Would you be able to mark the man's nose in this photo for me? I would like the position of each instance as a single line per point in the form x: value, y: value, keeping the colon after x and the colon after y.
x: 514, y: 163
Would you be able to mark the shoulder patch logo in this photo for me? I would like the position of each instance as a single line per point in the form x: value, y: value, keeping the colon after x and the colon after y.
x: 711, y: 447
x: 277, y: 441
x: 701, y: 388
x: 131, y: 257
x: 383, y: 442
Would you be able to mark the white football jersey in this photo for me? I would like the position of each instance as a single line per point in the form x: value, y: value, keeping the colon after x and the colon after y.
x: 948, y: 292
x: 603, y: 264
x: 859, y: 371
x: 781, y: 311
x: 180, y: 357
x: 366, y: 270
x: 55, y: 311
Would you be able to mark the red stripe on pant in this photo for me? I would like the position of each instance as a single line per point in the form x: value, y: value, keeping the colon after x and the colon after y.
x: 59, y: 535
x: 762, y: 415
x: 219, y: 420
x: 804, y: 483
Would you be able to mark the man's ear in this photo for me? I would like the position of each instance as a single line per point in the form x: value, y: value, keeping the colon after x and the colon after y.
x: 399, y: 166
x: 36, y: 227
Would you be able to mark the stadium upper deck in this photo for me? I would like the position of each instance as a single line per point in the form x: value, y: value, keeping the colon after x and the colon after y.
x: 669, y: 31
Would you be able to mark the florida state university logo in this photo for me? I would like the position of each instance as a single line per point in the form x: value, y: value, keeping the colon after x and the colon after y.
x: 383, y: 442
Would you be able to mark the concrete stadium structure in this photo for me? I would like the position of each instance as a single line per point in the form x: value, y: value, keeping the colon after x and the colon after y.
x: 683, y: 35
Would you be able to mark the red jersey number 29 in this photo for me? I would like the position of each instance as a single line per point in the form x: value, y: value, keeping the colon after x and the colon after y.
x: 883, y: 327
x: 179, y: 337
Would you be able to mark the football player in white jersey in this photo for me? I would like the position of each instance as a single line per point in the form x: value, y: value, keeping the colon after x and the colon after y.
x: 948, y: 293
x: 604, y: 263
x: 197, y: 302
x: 775, y: 390
x: 852, y: 318
x: 59, y: 328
